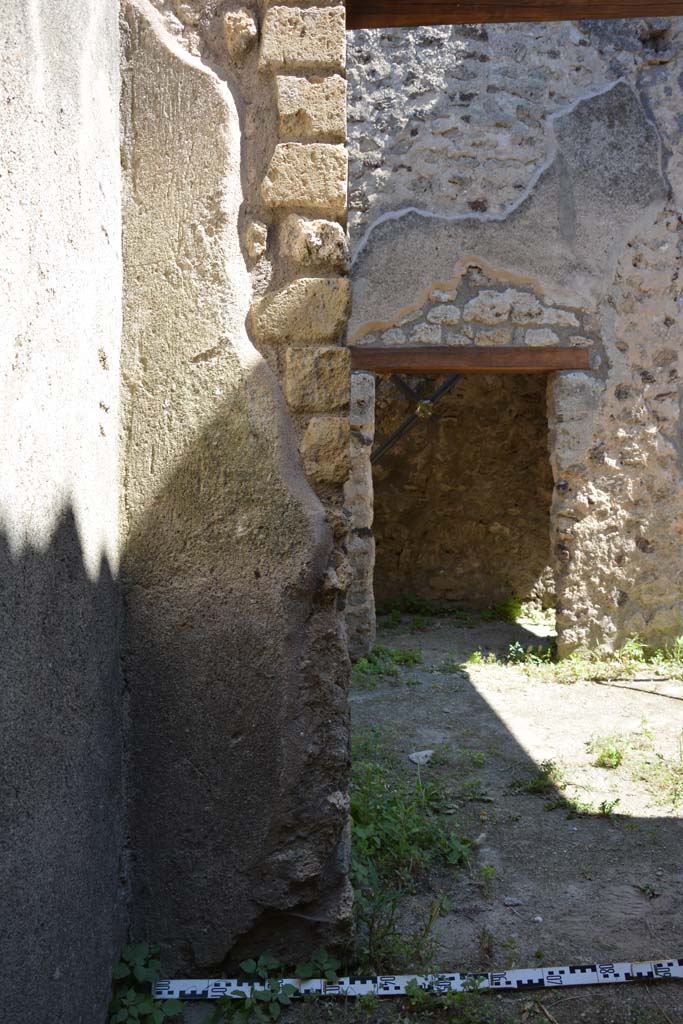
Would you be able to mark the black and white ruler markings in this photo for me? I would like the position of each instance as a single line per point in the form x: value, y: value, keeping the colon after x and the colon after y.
x: 396, y: 984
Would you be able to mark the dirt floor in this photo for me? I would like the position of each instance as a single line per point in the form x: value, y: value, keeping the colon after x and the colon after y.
x: 570, y: 862
x: 598, y: 878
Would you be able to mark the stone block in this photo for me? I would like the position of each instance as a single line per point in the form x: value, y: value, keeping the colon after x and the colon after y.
x: 310, y: 309
x: 426, y: 334
x: 308, y: 176
x: 322, y: 243
x: 488, y: 307
x: 446, y: 315
x: 362, y: 412
x: 325, y: 449
x: 295, y: 38
x: 317, y: 379
x: 312, y: 107
x: 559, y: 318
x: 240, y: 32
x: 541, y: 336
x: 255, y: 239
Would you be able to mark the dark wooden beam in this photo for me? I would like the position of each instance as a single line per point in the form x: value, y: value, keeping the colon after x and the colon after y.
x: 430, y: 360
x: 397, y: 13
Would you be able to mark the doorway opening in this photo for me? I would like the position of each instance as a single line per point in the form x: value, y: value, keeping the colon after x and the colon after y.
x: 462, y: 501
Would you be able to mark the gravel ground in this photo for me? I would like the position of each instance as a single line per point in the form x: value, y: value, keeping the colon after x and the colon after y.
x: 545, y: 886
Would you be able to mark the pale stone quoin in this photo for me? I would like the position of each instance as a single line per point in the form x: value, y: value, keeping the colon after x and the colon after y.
x: 317, y: 379
x: 311, y: 243
x: 309, y: 176
x: 299, y: 38
x: 324, y: 449
x: 310, y: 309
x: 312, y: 108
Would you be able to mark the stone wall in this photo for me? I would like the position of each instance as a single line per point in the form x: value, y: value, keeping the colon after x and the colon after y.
x: 235, y: 431
x: 521, y: 185
x: 462, y: 502
x: 62, y: 866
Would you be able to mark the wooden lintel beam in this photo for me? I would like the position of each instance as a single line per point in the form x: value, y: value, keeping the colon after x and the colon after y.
x: 435, y: 359
x: 398, y: 13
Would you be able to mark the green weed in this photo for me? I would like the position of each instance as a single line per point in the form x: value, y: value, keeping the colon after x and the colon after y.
x: 134, y: 975
x: 261, y: 1005
x: 487, y: 876
x: 449, y: 666
x: 531, y: 655
x: 473, y: 758
x: 507, y: 611
x: 634, y: 658
x: 482, y: 658
x: 549, y: 777
x: 382, y: 662
x: 663, y: 777
x: 574, y: 807
x: 398, y: 835
x: 609, y: 750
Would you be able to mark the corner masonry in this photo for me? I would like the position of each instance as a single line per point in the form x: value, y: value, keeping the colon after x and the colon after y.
x: 584, y: 252
x: 235, y: 439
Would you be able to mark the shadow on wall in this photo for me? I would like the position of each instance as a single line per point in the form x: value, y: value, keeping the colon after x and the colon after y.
x: 235, y: 658
x: 235, y: 678
x: 62, y: 873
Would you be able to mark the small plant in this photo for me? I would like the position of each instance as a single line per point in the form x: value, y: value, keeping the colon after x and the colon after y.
x: 383, y: 661
x: 469, y: 1006
x: 634, y: 658
x: 510, y: 947
x: 475, y: 758
x: 663, y: 776
x: 137, y: 970
x: 398, y: 834
x: 508, y: 611
x: 482, y: 658
x: 549, y: 776
x: 609, y: 750
x: 606, y: 808
x: 321, y: 965
x: 534, y: 613
x: 263, y: 999
x: 392, y: 620
x: 418, y: 624
x: 474, y: 792
x: 369, y: 1004
x: 487, y: 875
x: 449, y: 666
x: 574, y: 807
x: 532, y: 655
x: 417, y: 996
x: 486, y: 943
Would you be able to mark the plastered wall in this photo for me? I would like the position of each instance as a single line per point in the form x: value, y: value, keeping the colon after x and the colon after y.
x: 62, y: 833
x: 235, y: 439
x: 546, y: 162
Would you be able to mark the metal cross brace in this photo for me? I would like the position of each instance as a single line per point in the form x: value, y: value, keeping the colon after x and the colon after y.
x: 423, y: 410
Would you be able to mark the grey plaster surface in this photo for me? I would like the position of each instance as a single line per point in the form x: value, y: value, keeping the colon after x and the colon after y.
x: 61, y: 832
x: 602, y: 176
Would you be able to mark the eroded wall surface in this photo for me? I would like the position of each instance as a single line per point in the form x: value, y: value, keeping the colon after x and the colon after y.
x: 545, y: 163
x: 234, y: 565
x: 62, y: 870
